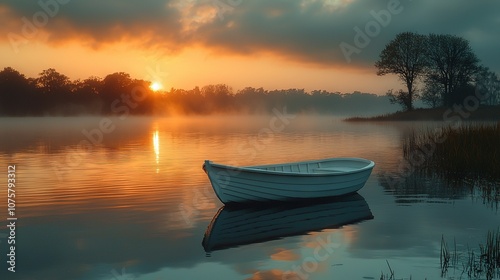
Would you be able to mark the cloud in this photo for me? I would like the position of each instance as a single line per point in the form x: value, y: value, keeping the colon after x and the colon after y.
x: 307, y: 31
x: 282, y: 254
x: 95, y: 23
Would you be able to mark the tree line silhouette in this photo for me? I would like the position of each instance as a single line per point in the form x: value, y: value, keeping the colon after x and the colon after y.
x: 54, y: 94
x: 445, y: 66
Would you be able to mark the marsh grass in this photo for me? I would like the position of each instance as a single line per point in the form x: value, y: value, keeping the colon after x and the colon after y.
x: 447, y: 259
x: 486, y: 263
x: 467, y: 154
x: 490, y: 254
x: 390, y: 275
x: 489, y: 192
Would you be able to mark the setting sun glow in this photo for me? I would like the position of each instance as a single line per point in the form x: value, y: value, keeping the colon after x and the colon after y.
x: 156, y: 86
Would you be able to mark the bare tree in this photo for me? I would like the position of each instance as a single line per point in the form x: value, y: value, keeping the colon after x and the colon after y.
x: 406, y: 57
x: 400, y: 97
x: 432, y: 94
x: 488, y: 85
x: 452, y: 65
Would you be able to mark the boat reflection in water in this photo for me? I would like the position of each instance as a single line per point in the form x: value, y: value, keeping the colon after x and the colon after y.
x: 236, y: 225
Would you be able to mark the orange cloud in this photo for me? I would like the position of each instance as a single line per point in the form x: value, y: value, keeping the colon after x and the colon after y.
x: 307, y: 31
x: 284, y: 255
x: 273, y: 274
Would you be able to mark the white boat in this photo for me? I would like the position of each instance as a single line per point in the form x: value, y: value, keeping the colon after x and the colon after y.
x: 288, y: 181
x: 234, y: 226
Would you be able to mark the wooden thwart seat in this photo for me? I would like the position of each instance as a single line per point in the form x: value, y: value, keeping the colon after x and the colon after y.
x: 334, y: 169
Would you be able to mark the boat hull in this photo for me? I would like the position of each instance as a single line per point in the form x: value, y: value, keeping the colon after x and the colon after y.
x: 277, y: 183
x: 236, y: 226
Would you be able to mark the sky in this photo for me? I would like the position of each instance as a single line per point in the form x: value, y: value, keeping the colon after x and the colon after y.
x: 276, y: 44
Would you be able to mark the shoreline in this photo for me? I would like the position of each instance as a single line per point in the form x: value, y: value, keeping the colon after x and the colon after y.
x: 457, y: 113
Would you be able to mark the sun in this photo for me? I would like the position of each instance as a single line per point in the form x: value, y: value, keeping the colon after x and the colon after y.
x: 156, y: 86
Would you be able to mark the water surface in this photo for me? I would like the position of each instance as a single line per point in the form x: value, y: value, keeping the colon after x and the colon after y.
x: 131, y: 201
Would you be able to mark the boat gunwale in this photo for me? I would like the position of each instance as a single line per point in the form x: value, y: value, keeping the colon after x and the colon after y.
x: 256, y: 168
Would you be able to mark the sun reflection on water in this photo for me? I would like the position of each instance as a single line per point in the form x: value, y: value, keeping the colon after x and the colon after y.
x: 156, y: 146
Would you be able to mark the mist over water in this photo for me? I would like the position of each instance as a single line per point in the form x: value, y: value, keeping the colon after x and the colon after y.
x: 134, y: 201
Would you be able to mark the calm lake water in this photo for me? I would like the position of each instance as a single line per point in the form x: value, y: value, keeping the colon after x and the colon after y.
x: 127, y: 199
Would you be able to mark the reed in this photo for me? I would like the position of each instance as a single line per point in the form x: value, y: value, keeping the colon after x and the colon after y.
x: 490, y: 193
x: 444, y: 256
x: 447, y: 259
x: 467, y: 152
x: 482, y: 265
x: 486, y: 264
x: 490, y: 254
x: 388, y: 276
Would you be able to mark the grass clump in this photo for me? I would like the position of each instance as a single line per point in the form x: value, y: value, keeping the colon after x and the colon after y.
x: 486, y: 263
x: 466, y: 151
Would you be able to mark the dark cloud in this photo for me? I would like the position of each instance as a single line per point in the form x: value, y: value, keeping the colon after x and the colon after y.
x: 308, y: 31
